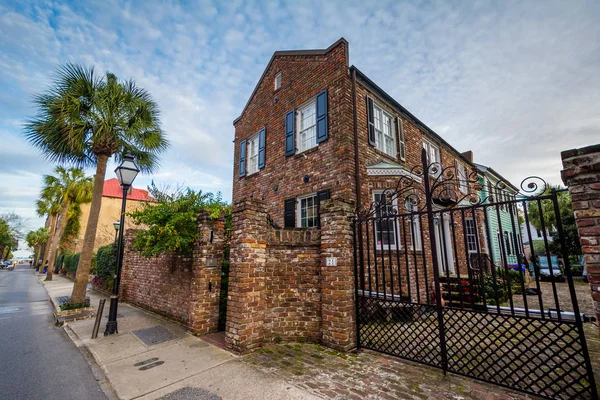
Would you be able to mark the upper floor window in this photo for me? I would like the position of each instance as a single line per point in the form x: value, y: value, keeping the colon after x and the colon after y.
x: 253, y: 154
x: 462, y: 177
x: 384, y: 131
x: 277, y: 81
x: 433, y: 154
x: 307, y: 126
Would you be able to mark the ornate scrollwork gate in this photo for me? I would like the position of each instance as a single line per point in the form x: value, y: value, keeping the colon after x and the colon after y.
x: 443, y: 278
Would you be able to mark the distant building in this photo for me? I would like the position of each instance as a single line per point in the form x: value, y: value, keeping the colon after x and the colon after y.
x: 110, y: 211
x: 503, y: 220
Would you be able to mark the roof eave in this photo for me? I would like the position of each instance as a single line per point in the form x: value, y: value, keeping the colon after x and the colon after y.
x: 403, y: 110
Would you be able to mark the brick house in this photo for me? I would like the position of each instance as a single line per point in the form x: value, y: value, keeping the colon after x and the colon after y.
x: 316, y: 129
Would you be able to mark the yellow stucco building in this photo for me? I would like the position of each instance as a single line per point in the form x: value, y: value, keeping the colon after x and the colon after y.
x: 109, y: 213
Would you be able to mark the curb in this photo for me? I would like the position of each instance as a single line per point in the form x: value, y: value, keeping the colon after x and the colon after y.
x: 98, y: 371
x: 63, y: 317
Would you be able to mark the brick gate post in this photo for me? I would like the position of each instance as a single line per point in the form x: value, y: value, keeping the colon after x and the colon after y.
x: 338, y: 326
x: 582, y: 175
x: 248, y: 256
x: 205, y: 289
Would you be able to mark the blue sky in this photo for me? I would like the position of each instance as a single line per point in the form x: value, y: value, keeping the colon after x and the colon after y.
x: 514, y: 81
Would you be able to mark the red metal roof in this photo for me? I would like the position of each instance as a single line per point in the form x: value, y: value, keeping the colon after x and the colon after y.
x: 113, y: 189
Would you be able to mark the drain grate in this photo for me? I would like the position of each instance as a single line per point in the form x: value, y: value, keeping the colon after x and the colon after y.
x: 154, y: 364
x: 148, y: 361
x: 154, y: 335
x: 66, y: 299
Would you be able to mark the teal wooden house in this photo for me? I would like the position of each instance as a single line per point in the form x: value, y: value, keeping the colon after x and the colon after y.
x: 503, y: 230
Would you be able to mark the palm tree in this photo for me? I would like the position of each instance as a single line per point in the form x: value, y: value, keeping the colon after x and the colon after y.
x: 48, y: 205
x: 84, y: 120
x: 68, y: 186
x: 36, y: 239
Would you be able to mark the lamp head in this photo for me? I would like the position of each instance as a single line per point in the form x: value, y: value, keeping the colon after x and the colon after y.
x: 127, y: 171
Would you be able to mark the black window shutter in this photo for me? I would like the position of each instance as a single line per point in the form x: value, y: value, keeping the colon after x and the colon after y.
x: 321, y: 195
x: 290, y: 143
x: 243, y: 158
x: 262, y: 147
x: 289, y: 216
x: 322, y: 131
x: 371, y: 121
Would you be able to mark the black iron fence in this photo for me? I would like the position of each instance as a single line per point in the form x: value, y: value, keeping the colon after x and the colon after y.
x: 474, y: 279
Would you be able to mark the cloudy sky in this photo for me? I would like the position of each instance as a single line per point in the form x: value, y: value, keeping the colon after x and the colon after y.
x: 514, y: 81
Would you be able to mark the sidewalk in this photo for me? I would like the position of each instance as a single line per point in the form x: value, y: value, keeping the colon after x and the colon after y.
x: 191, y: 368
x: 195, y: 369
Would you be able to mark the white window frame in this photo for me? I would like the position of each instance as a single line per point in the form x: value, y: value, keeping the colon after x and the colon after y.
x: 509, y: 244
x: 401, y: 140
x: 311, y: 104
x: 384, y: 143
x: 414, y: 226
x: 299, y: 210
x: 429, y: 146
x: 252, y: 155
x: 393, y: 220
x: 462, y: 177
x: 277, y: 81
x: 472, y: 234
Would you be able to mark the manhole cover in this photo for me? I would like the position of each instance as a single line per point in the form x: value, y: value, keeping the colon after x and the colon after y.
x: 118, y: 316
x: 154, y: 335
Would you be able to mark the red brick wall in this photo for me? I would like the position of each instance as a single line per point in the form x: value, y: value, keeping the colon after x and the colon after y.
x: 274, y: 281
x: 582, y: 175
x: 329, y: 165
x: 185, y: 289
x: 159, y: 284
x: 292, y: 291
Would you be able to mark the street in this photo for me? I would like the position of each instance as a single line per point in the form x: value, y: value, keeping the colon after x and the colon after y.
x: 39, y: 361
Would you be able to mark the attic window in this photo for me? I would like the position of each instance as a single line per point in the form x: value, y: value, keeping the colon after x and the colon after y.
x: 277, y: 81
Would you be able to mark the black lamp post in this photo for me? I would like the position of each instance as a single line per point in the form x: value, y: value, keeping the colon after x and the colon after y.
x: 116, y: 224
x: 126, y: 173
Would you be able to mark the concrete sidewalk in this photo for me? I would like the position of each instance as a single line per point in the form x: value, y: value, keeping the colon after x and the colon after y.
x: 191, y: 368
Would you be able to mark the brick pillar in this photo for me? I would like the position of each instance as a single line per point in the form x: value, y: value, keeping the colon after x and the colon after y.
x: 582, y: 175
x: 338, y: 327
x: 246, y: 302
x: 205, y: 289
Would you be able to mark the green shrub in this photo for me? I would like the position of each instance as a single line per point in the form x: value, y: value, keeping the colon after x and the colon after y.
x: 106, y: 260
x: 70, y: 262
x: 58, y: 262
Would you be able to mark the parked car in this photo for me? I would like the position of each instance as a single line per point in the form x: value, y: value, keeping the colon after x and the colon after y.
x: 550, y: 272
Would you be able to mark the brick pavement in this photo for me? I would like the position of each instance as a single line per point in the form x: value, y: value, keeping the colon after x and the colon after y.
x: 368, y: 375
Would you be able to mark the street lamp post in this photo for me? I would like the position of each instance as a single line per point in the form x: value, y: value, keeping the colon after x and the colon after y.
x: 116, y: 224
x: 126, y: 173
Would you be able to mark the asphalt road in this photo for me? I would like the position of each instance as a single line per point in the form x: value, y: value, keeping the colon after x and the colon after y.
x: 37, y: 359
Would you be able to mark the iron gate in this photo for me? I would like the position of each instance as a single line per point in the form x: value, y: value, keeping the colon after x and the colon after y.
x: 443, y: 278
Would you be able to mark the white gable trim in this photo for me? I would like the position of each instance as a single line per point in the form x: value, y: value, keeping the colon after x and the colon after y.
x: 374, y: 171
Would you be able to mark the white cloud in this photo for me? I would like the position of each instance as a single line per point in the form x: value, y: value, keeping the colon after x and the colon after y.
x: 516, y: 82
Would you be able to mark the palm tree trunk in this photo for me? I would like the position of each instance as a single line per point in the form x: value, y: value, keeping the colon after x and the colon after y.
x: 56, y: 239
x: 37, y: 255
x: 87, y: 250
x: 48, y: 249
